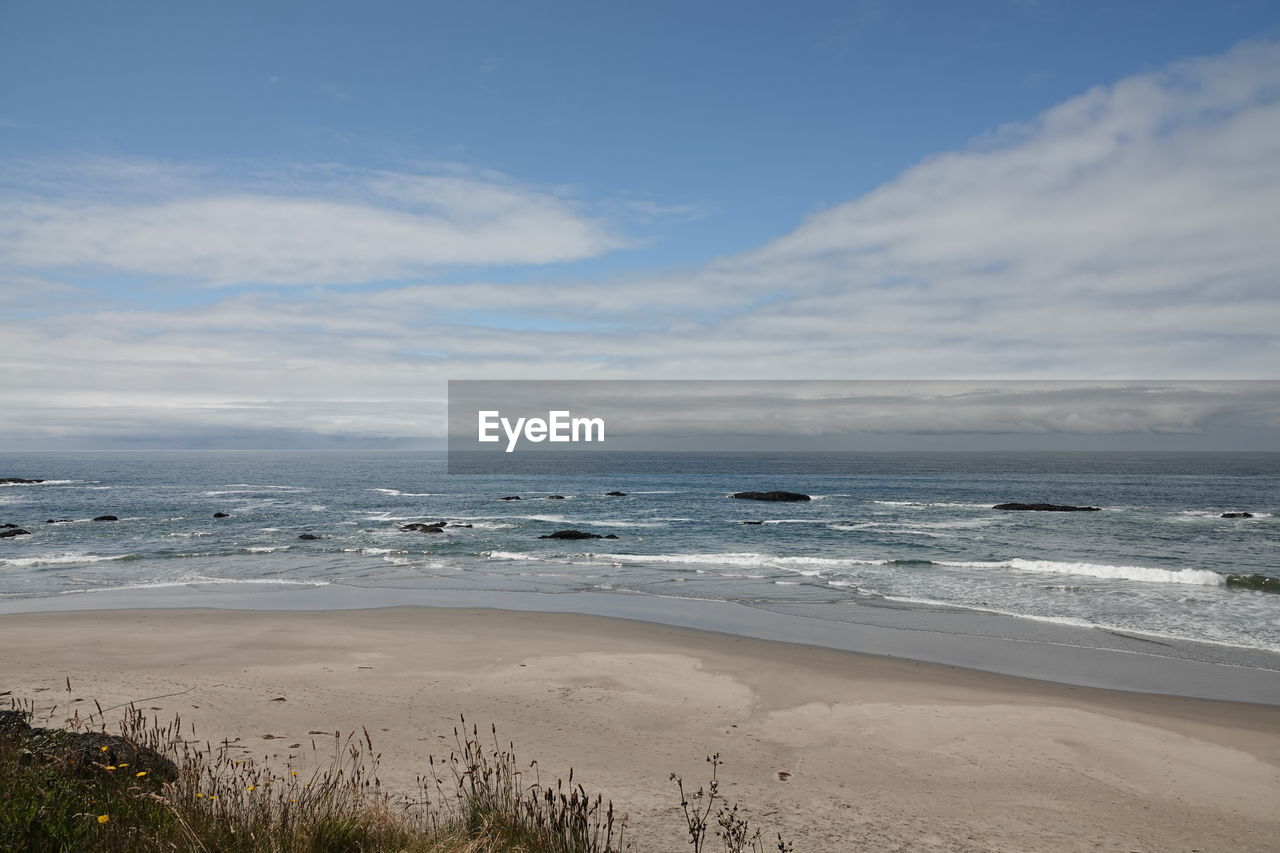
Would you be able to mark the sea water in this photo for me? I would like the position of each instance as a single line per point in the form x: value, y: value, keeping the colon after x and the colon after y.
x: 884, y: 530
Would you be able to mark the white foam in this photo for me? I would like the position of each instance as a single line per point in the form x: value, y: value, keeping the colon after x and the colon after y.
x: 807, y: 566
x: 810, y: 566
x: 266, y: 486
x: 59, y: 559
x: 948, y: 504
x: 561, y: 519
x: 1145, y: 574
x: 266, y: 549
x: 45, y: 483
x: 1077, y: 622
x: 191, y: 580
x: 419, y: 562
x: 509, y: 555
x: 256, y: 490
x: 192, y: 534
x: 399, y: 494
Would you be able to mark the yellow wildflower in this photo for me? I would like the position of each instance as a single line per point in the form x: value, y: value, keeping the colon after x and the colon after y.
x: 103, y: 818
x: 140, y: 773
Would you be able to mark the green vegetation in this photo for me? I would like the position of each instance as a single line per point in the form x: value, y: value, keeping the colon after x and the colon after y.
x: 150, y: 789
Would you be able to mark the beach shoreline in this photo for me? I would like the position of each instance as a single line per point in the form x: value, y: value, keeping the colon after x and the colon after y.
x: 878, y: 752
x: 970, y: 639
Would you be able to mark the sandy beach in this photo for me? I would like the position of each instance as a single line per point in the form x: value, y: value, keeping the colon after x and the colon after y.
x: 839, y: 751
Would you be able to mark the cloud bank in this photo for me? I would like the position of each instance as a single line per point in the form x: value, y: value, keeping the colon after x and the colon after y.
x: 1128, y: 232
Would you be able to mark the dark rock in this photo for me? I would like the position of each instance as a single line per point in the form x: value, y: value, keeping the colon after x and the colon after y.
x: 221, y: 515
x: 575, y: 534
x: 457, y: 525
x: 615, y: 494
x: 18, y: 481
x: 555, y: 497
x: 1046, y: 507
x: 58, y: 521
x: 423, y: 527
x: 309, y: 537
x: 5, y: 526
x: 106, y: 518
x: 86, y: 753
x: 14, y: 531
x: 772, y: 496
x: 1237, y: 515
x: 510, y: 498
x: 753, y: 522
x: 14, y: 723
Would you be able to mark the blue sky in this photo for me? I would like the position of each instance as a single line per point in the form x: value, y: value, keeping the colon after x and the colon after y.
x: 301, y: 216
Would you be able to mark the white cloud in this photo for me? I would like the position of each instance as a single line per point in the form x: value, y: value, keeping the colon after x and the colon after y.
x: 298, y: 226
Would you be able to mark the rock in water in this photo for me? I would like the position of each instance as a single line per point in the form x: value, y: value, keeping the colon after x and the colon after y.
x: 576, y: 534
x: 220, y: 515
x: 555, y: 497
x: 1046, y: 507
x: 423, y: 527
x: 615, y: 494
x: 510, y: 498
x: 309, y: 537
x: 14, y: 531
x: 753, y: 522
x: 106, y: 518
x: 1237, y: 515
x: 772, y: 496
x: 18, y: 481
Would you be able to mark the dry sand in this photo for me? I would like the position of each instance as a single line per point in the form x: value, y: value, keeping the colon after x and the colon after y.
x: 881, y: 754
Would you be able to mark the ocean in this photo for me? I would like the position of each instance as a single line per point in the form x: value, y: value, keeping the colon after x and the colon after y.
x: 893, y: 532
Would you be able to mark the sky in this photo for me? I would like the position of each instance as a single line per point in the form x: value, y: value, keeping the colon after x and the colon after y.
x: 288, y: 225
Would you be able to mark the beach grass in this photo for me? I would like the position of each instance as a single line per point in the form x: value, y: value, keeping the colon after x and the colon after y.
x: 71, y: 788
